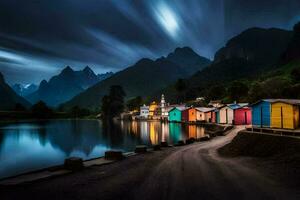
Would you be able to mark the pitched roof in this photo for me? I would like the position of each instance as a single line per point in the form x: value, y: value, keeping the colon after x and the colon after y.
x: 205, y: 109
x: 288, y: 101
x: 178, y: 108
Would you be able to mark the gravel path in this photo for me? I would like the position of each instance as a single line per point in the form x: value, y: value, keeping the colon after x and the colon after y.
x: 191, y: 172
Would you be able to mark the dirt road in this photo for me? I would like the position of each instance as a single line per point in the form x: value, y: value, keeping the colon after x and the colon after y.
x: 191, y: 172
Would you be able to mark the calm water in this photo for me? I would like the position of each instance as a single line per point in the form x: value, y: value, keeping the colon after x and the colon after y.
x: 30, y: 146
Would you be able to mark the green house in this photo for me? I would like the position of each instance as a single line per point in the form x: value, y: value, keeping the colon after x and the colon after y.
x: 175, y: 114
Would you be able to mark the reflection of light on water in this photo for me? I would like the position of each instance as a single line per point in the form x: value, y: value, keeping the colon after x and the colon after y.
x: 165, y: 132
x: 134, y: 127
x: 144, y: 131
x: 200, y: 132
x: 22, y: 126
x: 192, y: 131
x: 153, y: 134
x: 175, y: 132
x: 13, y: 151
x: 25, y: 146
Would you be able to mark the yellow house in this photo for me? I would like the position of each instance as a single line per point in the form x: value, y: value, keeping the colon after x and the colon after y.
x: 153, y: 109
x: 285, y: 114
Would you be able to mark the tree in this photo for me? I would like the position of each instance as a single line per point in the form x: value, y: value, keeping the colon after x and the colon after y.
x: 181, y: 87
x: 237, y: 90
x: 256, y: 92
x: 19, y: 107
x: 134, y: 103
x: 41, y: 110
x: 216, y: 92
x: 113, y: 104
x: 76, y: 111
x: 295, y: 75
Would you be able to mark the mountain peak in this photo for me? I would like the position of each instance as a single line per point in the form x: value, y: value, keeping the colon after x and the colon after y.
x: 67, y: 69
x: 87, y: 69
x: 1, y: 77
x: 144, y: 61
x: 183, y: 50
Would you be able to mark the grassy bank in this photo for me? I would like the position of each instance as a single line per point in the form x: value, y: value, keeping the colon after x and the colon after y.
x: 276, y: 156
x: 258, y: 145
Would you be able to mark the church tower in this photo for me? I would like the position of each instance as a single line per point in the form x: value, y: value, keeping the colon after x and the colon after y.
x: 163, y: 106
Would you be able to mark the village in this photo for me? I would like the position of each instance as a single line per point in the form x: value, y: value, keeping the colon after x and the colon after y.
x: 266, y: 113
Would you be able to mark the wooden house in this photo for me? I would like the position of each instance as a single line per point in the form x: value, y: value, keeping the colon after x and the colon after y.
x: 261, y: 113
x: 204, y: 114
x: 242, y: 116
x: 285, y: 113
x: 215, y: 116
x: 226, y: 113
x: 175, y: 114
x: 192, y: 114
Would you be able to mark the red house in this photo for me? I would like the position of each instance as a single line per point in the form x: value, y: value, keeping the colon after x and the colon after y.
x: 185, y: 115
x: 242, y: 116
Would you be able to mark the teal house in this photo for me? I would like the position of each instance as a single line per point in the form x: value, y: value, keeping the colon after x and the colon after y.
x: 175, y: 114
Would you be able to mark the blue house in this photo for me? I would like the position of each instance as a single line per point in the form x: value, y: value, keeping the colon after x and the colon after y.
x: 261, y: 113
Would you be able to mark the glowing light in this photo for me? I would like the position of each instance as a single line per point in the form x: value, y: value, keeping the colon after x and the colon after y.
x: 167, y: 19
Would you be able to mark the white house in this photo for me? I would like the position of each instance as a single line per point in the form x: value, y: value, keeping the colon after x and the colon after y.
x: 204, y: 114
x: 144, y: 111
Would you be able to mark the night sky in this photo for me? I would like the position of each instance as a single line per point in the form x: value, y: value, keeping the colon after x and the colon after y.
x: 40, y: 37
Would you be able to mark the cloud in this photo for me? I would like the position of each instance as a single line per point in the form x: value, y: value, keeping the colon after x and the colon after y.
x: 42, y: 37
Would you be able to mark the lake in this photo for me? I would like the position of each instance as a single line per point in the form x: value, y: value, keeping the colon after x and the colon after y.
x: 27, y: 146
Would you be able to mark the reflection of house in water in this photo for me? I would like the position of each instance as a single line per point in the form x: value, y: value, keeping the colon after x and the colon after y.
x: 144, y: 132
x: 165, y: 134
x: 175, y: 132
x: 153, y: 133
x: 200, y: 132
x: 192, y: 133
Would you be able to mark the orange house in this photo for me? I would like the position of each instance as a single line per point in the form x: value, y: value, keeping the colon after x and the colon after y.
x: 192, y: 115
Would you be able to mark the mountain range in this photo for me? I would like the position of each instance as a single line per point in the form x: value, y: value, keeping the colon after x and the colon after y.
x: 9, y: 98
x: 247, y: 56
x: 24, y: 90
x: 65, y: 85
x: 144, y: 78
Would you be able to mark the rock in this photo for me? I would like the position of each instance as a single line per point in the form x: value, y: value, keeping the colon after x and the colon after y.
x: 190, y: 140
x: 164, y: 144
x: 156, y: 147
x: 73, y: 163
x: 140, y: 149
x: 114, y: 155
x: 180, y: 143
x: 205, y: 138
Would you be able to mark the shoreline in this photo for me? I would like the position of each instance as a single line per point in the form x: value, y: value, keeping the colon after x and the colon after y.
x: 190, y: 171
x: 216, y: 130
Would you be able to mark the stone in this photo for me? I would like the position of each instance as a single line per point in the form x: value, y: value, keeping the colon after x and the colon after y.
x: 73, y: 163
x: 180, y: 143
x: 156, y: 147
x: 114, y: 155
x: 205, y: 138
x: 190, y: 140
x: 140, y: 149
x: 164, y: 144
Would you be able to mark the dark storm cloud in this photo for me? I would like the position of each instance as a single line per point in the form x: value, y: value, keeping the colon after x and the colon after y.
x: 39, y: 37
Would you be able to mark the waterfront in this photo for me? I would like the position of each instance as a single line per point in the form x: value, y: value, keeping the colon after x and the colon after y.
x: 27, y: 146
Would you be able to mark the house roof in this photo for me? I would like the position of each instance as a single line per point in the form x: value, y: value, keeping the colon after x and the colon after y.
x: 178, y: 108
x: 288, y: 101
x: 144, y: 107
x: 235, y: 106
x: 205, y: 109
